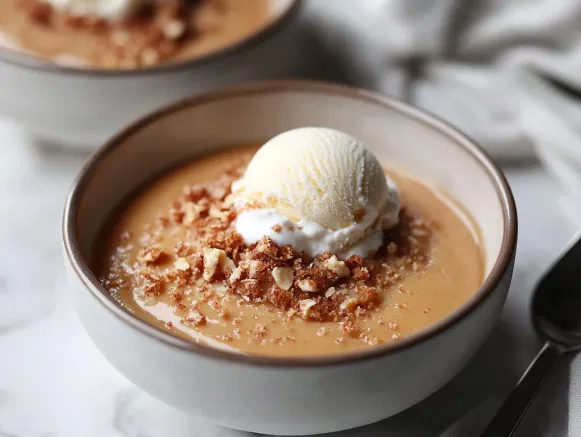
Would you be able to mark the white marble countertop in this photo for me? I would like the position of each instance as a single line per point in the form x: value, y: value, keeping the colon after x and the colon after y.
x: 54, y: 382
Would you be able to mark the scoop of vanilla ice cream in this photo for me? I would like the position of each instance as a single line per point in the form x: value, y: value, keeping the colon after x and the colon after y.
x: 324, y: 180
x: 320, y: 175
x: 108, y: 9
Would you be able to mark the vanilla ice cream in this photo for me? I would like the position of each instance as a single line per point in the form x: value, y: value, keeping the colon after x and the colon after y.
x: 323, y: 188
x: 107, y: 9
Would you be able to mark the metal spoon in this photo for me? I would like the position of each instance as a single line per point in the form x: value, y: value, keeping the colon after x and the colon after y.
x: 556, y: 314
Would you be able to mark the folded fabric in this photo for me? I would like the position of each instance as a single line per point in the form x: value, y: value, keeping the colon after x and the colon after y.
x: 488, y: 66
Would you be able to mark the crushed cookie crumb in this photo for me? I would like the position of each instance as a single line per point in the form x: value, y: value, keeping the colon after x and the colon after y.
x: 195, y: 318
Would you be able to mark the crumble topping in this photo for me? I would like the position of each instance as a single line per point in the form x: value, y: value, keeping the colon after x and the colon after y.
x: 212, y: 266
x: 149, y: 38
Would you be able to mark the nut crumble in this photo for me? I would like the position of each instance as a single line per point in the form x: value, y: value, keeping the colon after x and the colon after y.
x: 156, y: 33
x: 215, y: 263
x: 178, y: 258
x: 169, y: 26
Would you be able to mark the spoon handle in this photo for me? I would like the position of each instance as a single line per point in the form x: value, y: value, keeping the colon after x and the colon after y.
x: 512, y: 411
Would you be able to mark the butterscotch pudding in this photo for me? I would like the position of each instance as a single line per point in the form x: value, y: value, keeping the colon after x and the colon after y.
x: 126, y: 34
x: 307, y: 246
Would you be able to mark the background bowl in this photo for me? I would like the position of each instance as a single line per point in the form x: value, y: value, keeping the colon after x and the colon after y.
x: 83, y: 107
x: 290, y: 395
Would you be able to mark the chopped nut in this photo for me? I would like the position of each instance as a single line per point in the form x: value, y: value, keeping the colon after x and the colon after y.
x: 214, y: 258
x: 283, y: 276
x: 182, y: 264
x: 256, y: 268
x: 338, y: 267
x: 321, y: 331
x: 305, y: 305
x: 307, y: 285
x: 174, y: 29
x: 149, y: 56
x: 277, y: 228
x: 226, y: 264
x: 330, y: 292
x: 191, y: 212
x: 150, y: 255
x: 211, y: 260
x: 349, y: 304
x: 236, y: 274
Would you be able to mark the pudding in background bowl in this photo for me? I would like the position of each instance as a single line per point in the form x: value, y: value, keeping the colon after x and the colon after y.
x: 128, y: 34
x: 74, y: 74
x: 279, y: 390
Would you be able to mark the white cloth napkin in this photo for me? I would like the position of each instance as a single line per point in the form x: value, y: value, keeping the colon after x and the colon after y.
x: 484, y: 64
x: 508, y: 73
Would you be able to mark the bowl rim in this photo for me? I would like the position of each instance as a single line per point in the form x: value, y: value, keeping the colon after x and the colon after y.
x: 503, y: 262
x: 31, y: 62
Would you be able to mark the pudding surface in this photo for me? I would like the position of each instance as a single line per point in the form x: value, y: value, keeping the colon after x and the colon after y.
x: 172, y: 257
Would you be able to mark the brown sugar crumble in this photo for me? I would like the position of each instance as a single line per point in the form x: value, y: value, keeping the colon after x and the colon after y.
x: 151, y: 37
x: 212, y: 266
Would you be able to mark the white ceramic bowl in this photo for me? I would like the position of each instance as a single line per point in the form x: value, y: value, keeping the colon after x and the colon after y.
x: 290, y: 395
x: 82, y: 107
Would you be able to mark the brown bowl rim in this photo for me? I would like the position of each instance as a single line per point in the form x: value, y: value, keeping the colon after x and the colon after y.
x: 28, y: 61
x: 490, y: 283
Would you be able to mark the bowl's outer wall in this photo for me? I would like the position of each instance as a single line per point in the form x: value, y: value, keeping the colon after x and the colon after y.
x: 288, y: 400
x: 82, y: 111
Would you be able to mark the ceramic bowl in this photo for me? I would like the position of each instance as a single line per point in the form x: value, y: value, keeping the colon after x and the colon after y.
x: 79, y: 107
x: 290, y: 395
